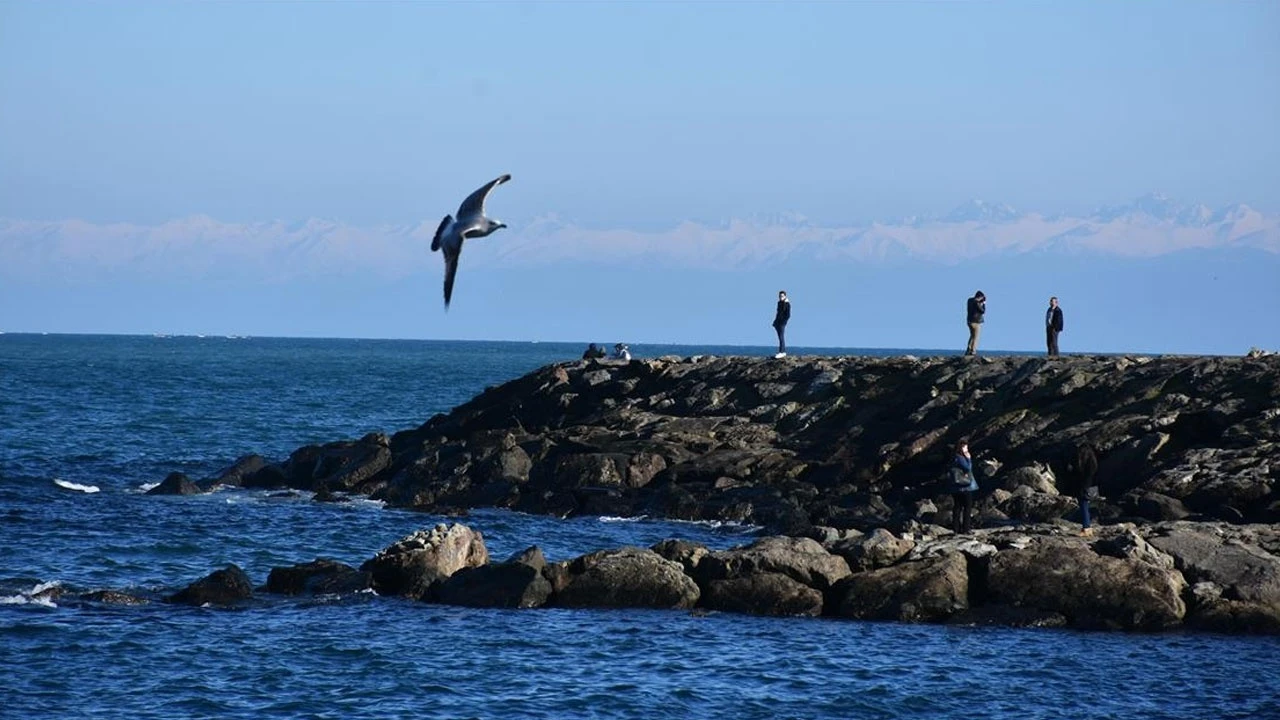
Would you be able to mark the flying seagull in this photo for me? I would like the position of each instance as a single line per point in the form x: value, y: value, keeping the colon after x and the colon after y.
x: 470, y: 223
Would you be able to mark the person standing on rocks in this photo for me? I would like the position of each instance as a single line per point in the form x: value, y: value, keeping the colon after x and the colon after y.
x: 974, y: 315
x: 1052, y: 326
x: 1081, y: 470
x: 780, y: 319
x: 963, y: 486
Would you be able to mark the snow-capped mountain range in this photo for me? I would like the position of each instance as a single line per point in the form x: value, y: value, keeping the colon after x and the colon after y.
x: 1150, y: 226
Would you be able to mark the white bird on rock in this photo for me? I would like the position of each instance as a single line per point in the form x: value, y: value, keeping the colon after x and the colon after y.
x: 470, y: 223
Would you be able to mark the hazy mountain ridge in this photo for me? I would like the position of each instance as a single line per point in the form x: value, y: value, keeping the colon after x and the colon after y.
x: 1150, y: 226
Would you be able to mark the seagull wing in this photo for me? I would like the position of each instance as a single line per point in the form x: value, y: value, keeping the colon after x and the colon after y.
x: 450, y: 270
x: 435, y: 241
x: 473, y: 206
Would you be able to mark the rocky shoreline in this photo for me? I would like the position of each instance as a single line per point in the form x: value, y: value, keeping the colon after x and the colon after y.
x: 840, y: 457
x: 1206, y: 576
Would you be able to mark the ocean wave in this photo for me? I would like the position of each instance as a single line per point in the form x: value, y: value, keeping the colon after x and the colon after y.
x: 75, y: 486
x: 712, y: 524
x: 41, y: 594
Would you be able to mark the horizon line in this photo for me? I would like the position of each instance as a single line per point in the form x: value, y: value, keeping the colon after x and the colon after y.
x: 918, y: 352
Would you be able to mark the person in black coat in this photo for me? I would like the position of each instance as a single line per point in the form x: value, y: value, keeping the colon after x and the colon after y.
x: 1052, y: 326
x: 975, y: 313
x: 780, y: 319
x: 1080, y: 466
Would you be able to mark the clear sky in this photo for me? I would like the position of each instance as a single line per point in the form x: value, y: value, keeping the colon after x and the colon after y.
x: 633, y: 116
x: 629, y: 113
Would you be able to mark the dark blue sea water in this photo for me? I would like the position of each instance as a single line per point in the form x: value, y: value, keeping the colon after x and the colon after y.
x: 88, y: 422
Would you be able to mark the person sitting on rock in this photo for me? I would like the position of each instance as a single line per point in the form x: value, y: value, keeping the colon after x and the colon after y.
x: 622, y: 352
x: 594, y: 352
x: 963, y: 486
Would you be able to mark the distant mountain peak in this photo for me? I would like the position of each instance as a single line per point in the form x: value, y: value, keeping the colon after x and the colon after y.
x: 981, y: 211
x: 1159, y: 207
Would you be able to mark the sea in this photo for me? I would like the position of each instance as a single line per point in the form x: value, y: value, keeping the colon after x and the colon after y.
x: 89, y: 423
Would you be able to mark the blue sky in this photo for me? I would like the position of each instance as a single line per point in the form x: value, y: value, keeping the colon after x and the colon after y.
x: 631, y: 114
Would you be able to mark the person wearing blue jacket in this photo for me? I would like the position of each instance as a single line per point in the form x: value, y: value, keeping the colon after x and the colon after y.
x: 963, y: 486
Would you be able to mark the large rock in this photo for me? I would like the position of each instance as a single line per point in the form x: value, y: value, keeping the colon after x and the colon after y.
x: 801, y: 559
x: 412, y: 564
x: 628, y: 577
x: 1028, y: 506
x: 318, y: 577
x: 221, y: 587
x: 1243, y: 581
x: 517, y: 583
x: 234, y: 476
x: 688, y: 554
x: 1089, y: 589
x: 843, y: 442
x: 880, y: 548
x: 176, y: 483
x: 762, y: 594
x: 926, y: 590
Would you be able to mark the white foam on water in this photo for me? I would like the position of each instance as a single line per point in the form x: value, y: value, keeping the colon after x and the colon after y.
x: 34, y: 596
x: 46, y: 586
x: 75, y: 486
x: 147, y: 487
x: 712, y: 524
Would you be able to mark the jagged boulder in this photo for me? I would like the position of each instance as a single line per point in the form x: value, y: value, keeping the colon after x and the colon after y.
x: 1026, y: 505
x: 766, y: 593
x: 688, y: 554
x: 1089, y: 589
x: 1037, y: 477
x: 627, y: 577
x: 221, y: 587
x: 234, y: 476
x: 516, y: 583
x: 318, y: 577
x: 878, y: 549
x: 176, y: 483
x: 929, y: 590
x: 802, y: 559
x: 113, y: 597
x: 1157, y: 507
x: 1239, y: 583
x: 410, y: 566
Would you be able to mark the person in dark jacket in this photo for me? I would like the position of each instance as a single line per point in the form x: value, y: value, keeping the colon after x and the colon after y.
x: 1052, y: 326
x: 963, y: 486
x: 780, y: 319
x: 1082, y: 466
x: 975, y: 312
x: 594, y: 352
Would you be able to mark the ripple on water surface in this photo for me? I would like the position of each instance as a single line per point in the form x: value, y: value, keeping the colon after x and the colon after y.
x: 120, y: 413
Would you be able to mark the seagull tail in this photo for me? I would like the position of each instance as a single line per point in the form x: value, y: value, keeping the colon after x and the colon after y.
x: 435, y: 241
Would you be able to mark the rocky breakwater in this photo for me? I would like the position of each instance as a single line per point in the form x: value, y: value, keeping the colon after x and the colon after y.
x: 1213, y: 576
x: 813, y: 445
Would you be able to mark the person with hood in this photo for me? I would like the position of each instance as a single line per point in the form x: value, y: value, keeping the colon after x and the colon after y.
x: 622, y: 352
x: 975, y: 312
x: 594, y: 352
x: 780, y: 318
